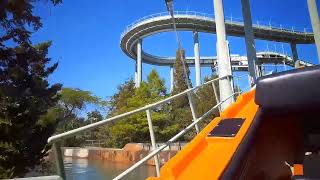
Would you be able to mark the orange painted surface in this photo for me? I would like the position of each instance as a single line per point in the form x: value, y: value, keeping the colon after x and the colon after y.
x: 207, y: 157
x: 297, y: 169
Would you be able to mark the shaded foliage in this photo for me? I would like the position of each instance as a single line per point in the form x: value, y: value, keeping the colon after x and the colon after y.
x: 17, y: 20
x: 26, y: 98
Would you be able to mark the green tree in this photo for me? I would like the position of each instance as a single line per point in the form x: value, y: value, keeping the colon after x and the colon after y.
x: 74, y: 100
x: 18, y: 21
x: 180, y: 109
x: 135, y: 128
x: 180, y: 79
x: 92, y: 117
x: 26, y: 98
x: 71, y: 106
x: 117, y: 104
x: 156, y: 85
x: 205, y: 99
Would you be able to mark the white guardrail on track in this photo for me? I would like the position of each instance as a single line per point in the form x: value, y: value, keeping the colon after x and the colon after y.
x: 229, y: 19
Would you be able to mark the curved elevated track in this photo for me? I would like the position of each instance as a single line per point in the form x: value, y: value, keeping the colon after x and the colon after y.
x: 200, y: 22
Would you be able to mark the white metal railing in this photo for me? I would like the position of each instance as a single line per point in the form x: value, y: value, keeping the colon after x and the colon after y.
x: 93, y: 143
x: 172, y: 147
x: 173, y: 139
x: 151, y: 16
x: 228, y: 19
x: 147, y: 108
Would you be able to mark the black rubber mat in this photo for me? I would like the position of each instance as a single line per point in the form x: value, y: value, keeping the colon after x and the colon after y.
x: 227, y: 128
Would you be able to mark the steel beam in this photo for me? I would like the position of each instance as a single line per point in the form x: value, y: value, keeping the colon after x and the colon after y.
x: 249, y: 38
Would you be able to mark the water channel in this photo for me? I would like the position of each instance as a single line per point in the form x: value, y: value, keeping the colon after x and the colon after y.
x: 83, y: 169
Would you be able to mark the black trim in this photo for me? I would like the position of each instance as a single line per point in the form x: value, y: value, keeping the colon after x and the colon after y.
x: 294, y: 89
x: 311, y: 166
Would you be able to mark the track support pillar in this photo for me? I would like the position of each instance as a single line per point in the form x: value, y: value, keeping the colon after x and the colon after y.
x: 197, y: 58
x: 139, y: 64
x: 224, y: 63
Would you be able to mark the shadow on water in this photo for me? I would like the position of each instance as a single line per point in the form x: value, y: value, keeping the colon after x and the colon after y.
x: 82, y: 169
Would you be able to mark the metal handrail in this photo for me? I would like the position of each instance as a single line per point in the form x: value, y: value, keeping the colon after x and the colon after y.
x: 147, y: 108
x: 174, y: 138
x: 233, y: 20
x: 70, y: 133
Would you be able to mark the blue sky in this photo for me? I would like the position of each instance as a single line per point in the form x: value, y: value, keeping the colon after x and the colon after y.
x: 86, y: 34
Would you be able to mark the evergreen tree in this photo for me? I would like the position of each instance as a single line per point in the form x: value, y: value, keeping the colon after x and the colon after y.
x: 180, y: 79
x: 203, y: 98
x: 180, y: 109
x: 26, y: 98
x: 156, y: 85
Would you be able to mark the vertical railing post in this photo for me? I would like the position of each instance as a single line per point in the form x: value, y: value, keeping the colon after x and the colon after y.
x: 59, y: 160
x: 153, y: 141
x: 216, y: 95
x: 193, y: 111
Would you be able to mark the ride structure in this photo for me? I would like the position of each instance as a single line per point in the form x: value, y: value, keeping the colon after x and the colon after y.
x: 132, y: 38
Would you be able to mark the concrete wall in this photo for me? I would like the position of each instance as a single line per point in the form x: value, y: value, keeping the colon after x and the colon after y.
x: 132, y: 152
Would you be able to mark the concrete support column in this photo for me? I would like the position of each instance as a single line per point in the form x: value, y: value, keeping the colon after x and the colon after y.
x: 139, y: 63
x: 249, y: 38
x: 224, y: 64
x: 135, y: 74
x: 171, y: 78
x: 197, y: 58
x: 295, y: 55
x: 314, y: 16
